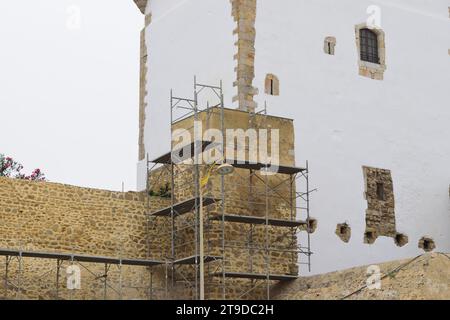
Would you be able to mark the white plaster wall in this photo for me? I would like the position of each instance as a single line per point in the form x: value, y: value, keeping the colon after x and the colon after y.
x: 344, y: 121
x: 185, y: 38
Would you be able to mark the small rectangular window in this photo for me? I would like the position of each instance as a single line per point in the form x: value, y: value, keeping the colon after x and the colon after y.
x: 380, y: 191
x: 272, y: 85
x: 330, y: 44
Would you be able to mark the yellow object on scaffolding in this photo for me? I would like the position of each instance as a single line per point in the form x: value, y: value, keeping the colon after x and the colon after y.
x: 204, y: 181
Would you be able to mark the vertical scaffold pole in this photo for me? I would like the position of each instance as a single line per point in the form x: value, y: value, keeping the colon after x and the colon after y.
x: 7, y: 261
x: 71, y: 263
x: 307, y: 213
x: 58, y: 269
x: 267, y: 235
x: 19, y: 277
x: 147, y: 197
x: 120, y: 280
x: 105, y: 282
x: 167, y: 280
x: 222, y: 190
x: 293, y: 207
x: 199, y: 294
x: 172, y: 197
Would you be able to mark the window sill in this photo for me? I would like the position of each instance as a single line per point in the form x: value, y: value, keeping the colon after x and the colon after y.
x: 372, y: 66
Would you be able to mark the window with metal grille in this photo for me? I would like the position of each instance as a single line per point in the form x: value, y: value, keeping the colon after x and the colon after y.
x: 369, y: 46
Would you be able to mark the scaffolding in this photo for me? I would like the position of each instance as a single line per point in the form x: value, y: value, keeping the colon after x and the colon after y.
x: 185, y: 161
x: 19, y: 256
x: 182, y: 261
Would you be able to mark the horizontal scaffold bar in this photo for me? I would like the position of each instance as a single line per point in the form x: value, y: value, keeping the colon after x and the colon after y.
x: 260, y: 220
x: 181, y: 154
x: 256, y: 276
x: 241, y: 164
x: 183, y: 207
x: 196, y: 259
x: 78, y: 258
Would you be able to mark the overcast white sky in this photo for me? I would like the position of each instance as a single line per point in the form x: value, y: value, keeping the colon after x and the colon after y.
x: 69, y: 97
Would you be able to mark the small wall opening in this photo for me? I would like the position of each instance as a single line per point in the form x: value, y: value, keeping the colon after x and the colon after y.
x: 370, y: 236
x: 329, y: 45
x: 427, y: 244
x: 401, y: 239
x: 272, y: 85
x: 312, y: 225
x: 343, y: 231
x: 380, y: 191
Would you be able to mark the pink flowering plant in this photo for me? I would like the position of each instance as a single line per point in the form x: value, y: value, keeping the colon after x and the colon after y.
x: 13, y: 169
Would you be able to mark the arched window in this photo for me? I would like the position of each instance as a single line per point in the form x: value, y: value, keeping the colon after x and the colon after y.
x: 272, y: 85
x: 369, y: 46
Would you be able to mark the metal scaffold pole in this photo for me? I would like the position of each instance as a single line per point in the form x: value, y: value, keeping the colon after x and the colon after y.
x: 58, y: 269
x: 172, y: 197
x: 308, y: 217
x: 266, y: 245
x: 193, y: 216
x: 222, y: 191
x: 19, y: 276
x: 199, y: 245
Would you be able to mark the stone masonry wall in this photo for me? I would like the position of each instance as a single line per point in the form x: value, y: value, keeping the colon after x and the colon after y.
x: 142, y: 4
x: 426, y: 277
x: 57, y: 218
x: 245, y: 194
x: 50, y: 217
x: 244, y: 13
x: 380, y: 213
x: 142, y: 87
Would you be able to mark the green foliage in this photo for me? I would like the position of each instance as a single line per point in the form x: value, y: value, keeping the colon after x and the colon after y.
x: 164, y: 192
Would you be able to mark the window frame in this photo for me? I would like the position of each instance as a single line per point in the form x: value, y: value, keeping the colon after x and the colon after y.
x: 369, y: 50
x: 272, y: 85
x: 369, y: 69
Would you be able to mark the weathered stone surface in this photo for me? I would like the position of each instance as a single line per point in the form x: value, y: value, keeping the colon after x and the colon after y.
x: 244, y: 13
x: 142, y: 87
x: 142, y: 4
x: 427, y: 277
x: 41, y: 216
x: 427, y: 244
x: 329, y: 45
x: 51, y: 217
x: 245, y: 194
x: 380, y: 213
x: 344, y: 232
x: 401, y: 239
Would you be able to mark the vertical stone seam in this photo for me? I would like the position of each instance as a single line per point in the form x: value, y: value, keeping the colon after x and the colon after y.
x: 244, y: 14
x: 143, y: 88
x: 142, y: 4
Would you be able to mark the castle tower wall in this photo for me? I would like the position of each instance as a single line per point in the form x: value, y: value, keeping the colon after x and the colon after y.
x: 352, y: 117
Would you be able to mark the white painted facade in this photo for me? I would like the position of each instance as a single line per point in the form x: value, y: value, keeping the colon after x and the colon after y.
x: 184, y: 39
x: 342, y: 120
